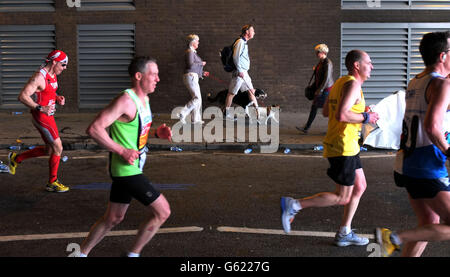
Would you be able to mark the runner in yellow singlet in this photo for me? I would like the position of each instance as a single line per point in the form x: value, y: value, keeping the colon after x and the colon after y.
x: 345, y: 109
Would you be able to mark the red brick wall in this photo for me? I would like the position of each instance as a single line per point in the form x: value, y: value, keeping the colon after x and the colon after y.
x: 281, y: 53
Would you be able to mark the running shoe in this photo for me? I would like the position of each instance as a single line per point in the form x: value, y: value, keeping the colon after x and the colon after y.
x: 56, y: 186
x: 287, y: 213
x: 303, y: 130
x: 12, y: 164
x: 383, y: 237
x: 230, y: 118
x: 349, y: 239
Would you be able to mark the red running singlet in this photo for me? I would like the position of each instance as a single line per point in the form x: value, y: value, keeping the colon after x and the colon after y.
x: 46, y: 124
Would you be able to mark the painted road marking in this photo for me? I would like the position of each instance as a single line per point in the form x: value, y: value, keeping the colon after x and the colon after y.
x: 281, y: 232
x: 301, y: 156
x: 233, y: 154
x: 189, y: 229
x: 89, y: 157
x: 107, y: 186
x: 84, y: 234
x: 107, y: 156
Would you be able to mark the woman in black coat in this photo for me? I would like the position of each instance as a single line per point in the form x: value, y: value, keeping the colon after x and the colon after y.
x: 323, y: 78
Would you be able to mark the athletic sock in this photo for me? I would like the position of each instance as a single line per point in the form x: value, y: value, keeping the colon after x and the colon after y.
x: 133, y: 255
x: 53, y: 164
x: 227, y: 112
x: 296, y: 205
x: 35, y: 152
x: 345, y: 230
x: 395, y: 239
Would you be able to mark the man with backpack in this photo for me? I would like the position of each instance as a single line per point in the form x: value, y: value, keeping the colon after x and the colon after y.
x: 240, y: 80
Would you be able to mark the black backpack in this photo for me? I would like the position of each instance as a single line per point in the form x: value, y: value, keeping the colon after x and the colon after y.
x: 226, y: 56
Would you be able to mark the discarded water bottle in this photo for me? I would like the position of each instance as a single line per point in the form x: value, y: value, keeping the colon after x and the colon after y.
x: 176, y: 149
x: 64, y: 159
x: 248, y: 151
x: 318, y: 148
x: 31, y: 147
x: 14, y: 147
x: 16, y: 113
x: 287, y: 151
x: 363, y: 149
x: 3, y: 167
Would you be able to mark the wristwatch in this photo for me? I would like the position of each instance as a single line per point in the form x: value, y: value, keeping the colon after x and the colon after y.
x: 38, y: 107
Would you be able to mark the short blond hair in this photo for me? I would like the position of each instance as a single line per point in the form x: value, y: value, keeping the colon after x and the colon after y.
x: 190, y: 38
x: 321, y: 48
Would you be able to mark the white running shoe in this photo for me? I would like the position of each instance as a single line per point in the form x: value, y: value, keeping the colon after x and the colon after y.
x: 287, y: 213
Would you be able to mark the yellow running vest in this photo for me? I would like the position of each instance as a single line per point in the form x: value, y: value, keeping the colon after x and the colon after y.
x: 342, y: 138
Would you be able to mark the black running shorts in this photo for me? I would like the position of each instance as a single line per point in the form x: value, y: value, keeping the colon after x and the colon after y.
x: 342, y: 169
x: 421, y: 188
x: 123, y: 189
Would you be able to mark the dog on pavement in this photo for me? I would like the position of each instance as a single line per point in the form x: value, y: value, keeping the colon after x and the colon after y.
x: 241, y: 99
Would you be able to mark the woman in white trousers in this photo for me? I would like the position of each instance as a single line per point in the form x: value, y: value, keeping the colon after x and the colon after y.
x: 192, y: 73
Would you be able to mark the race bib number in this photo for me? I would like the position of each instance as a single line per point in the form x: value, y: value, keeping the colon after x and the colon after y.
x: 142, y: 157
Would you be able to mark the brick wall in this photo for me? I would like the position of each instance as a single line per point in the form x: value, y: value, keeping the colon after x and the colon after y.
x: 281, y: 53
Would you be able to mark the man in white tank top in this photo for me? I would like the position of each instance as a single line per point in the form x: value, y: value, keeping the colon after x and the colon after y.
x: 420, y: 162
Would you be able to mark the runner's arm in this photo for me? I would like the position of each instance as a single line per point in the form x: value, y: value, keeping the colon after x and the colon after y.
x: 121, y: 107
x: 35, y: 83
x: 439, y: 101
x: 351, y: 93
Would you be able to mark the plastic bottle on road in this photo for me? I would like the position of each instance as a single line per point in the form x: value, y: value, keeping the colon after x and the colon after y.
x: 287, y: 151
x: 248, y: 151
x: 14, y: 147
x: 318, y: 148
x: 175, y: 149
x: 3, y: 167
x: 64, y: 159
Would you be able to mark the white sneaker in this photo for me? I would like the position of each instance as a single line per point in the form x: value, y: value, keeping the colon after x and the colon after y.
x: 350, y: 239
x: 230, y: 118
x: 287, y: 213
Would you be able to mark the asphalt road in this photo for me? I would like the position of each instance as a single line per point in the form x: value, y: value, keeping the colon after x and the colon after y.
x: 223, y: 205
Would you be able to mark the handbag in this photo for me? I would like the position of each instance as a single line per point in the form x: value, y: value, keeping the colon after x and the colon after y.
x: 310, y: 90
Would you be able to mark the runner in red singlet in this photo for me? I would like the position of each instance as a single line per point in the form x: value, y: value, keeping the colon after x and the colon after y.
x: 39, y: 94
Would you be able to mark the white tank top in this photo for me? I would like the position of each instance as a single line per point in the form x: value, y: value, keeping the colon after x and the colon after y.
x: 418, y: 157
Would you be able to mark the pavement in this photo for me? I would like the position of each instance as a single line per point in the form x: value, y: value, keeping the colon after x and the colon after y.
x: 17, y: 130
